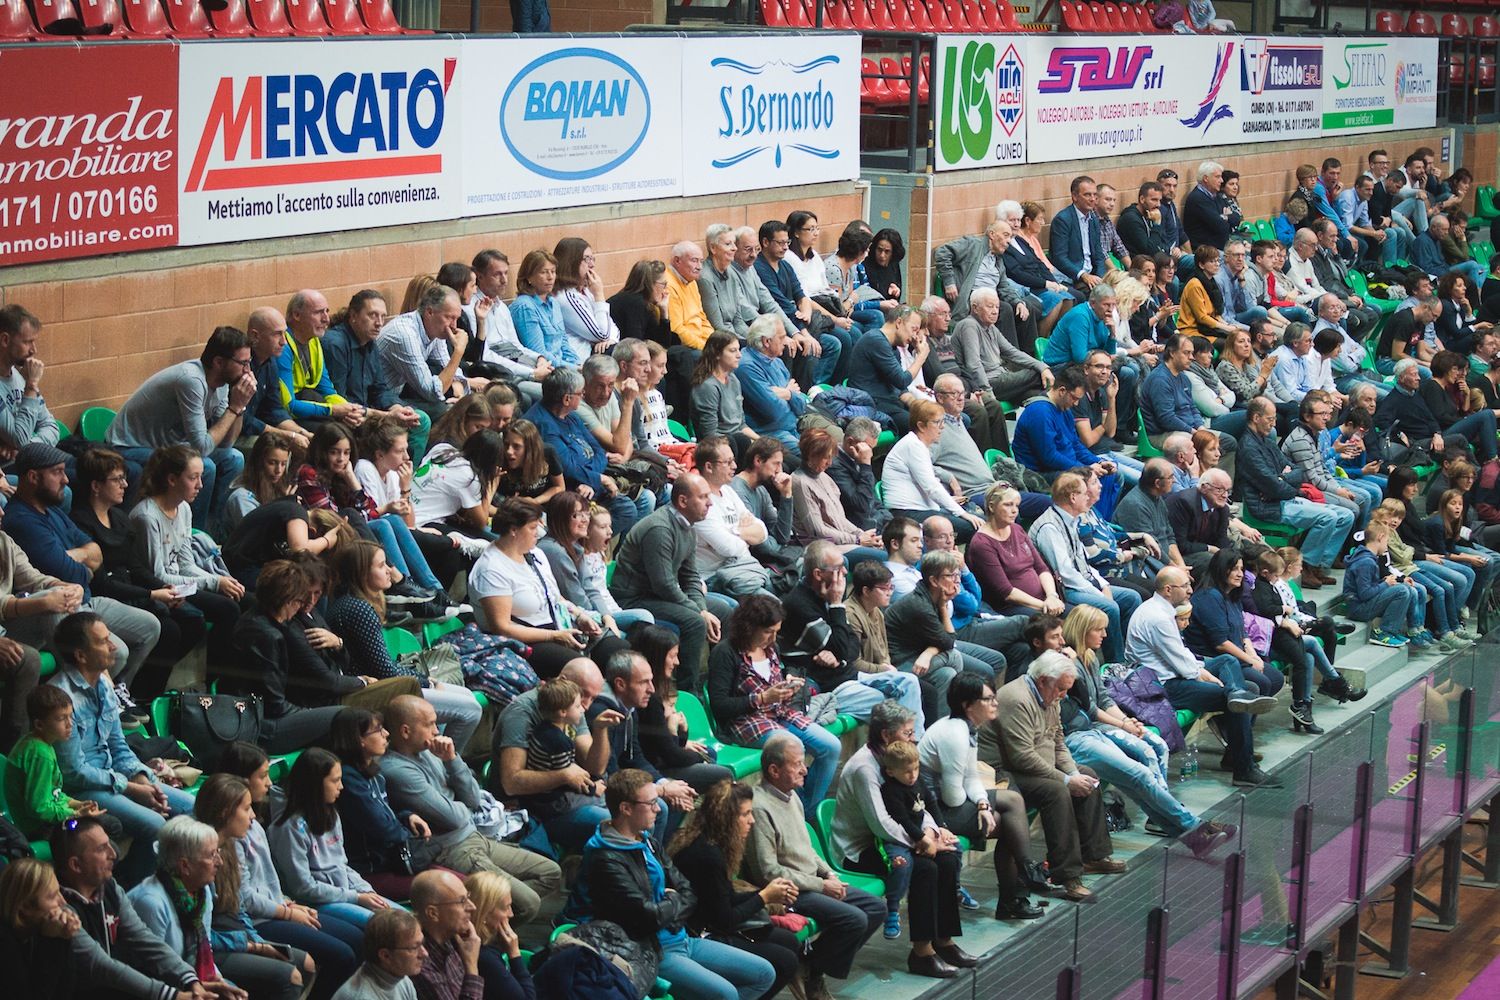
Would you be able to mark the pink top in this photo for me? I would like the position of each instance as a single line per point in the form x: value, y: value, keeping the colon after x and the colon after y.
x: 1001, y: 567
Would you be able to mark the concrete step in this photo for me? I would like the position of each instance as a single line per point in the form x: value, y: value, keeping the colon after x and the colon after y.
x: 1366, y: 665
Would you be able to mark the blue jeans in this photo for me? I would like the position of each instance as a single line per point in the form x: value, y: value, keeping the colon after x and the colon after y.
x: 221, y: 468
x: 401, y: 550
x: 1457, y: 583
x: 859, y: 697
x: 1297, y: 314
x: 1392, y: 606
x: 1128, y: 466
x: 625, y: 511
x: 1203, y: 696
x: 141, y: 825
x: 1094, y: 748
x: 704, y: 969
x: 1414, y: 211
x: 1370, y: 488
x: 1118, y: 611
x: 898, y: 882
x: 833, y: 361
x: 456, y: 710
x: 1326, y: 527
x: 1250, y: 315
x: 1347, y: 382
x: 1485, y: 576
x: 1147, y: 748
x: 350, y: 913
x: 627, y: 617
x: 822, y: 749
x: 571, y: 830
x: 1471, y: 269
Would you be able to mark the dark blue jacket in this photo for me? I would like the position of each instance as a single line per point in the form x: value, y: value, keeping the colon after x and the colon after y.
x: 1259, y: 470
x: 1427, y: 254
x: 264, y: 408
x: 374, y: 833
x: 45, y: 537
x: 875, y: 368
x: 1215, y: 620
x: 356, y: 371
x: 1066, y: 246
x: 1202, y: 219
x: 1024, y: 266
x: 784, y: 287
x: 1362, y: 578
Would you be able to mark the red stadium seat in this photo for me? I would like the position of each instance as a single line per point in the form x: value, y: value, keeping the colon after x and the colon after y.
x: 343, y: 17
x: 1455, y: 25
x: 836, y: 15
x: 880, y: 14
x: 306, y: 18
x: 145, y: 19
x: 1008, y: 20
x: 16, y: 24
x: 772, y: 14
x: 1456, y: 74
x: 1421, y: 23
x: 899, y: 14
x: 1113, y: 19
x: 958, y: 16
x: 100, y: 17
x: 937, y: 13
x: 381, y: 20
x: 1086, y: 18
x: 268, y: 18
x: 861, y: 17
x: 797, y: 14
x: 1485, y: 26
x: 230, y: 22
x: 872, y: 89
x: 921, y: 77
x: 918, y: 11
x: 1072, y: 15
x: 896, y: 83
x: 1486, y: 71
x: 1387, y: 22
x: 187, y: 18
x: 57, y: 17
x: 1136, y: 19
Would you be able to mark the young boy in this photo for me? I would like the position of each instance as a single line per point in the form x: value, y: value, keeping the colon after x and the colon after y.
x: 900, y: 768
x: 1371, y: 590
x: 553, y: 745
x: 33, y: 781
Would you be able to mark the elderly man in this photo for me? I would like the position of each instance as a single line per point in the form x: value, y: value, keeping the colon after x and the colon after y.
x: 1417, y: 410
x: 1055, y: 534
x: 877, y: 366
x: 1234, y: 282
x: 987, y: 356
x: 1333, y: 274
x: 200, y: 403
x: 1096, y: 417
x: 854, y: 475
x: 1272, y: 488
x: 1203, y: 220
x: 1348, y: 364
x: 394, y: 950
x: 407, y: 341
x: 780, y: 847
x: 728, y: 530
x: 609, y: 414
x: 986, y: 416
x: 1167, y: 403
x: 976, y: 262
x: 425, y: 776
x: 1144, y: 509
x: 773, y: 400
x: 357, y: 372
x: 1077, y: 246
x: 1427, y: 254
x: 580, y: 455
x: 1200, y: 518
x: 1029, y: 734
x: 1217, y: 685
x: 1302, y: 283
x: 1302, y: 367
x: 971, y: 618
x: 781, y: 281
x: 685, y: 310
x: 956, y: 454
x: 1089, y: 326
x: 266, y: 329
x: 306, y: 389
x: 1304, y: 449
x: 817, y: 634
x: 445, y: 912
x: 724, y: 297
x: 1140, y: 225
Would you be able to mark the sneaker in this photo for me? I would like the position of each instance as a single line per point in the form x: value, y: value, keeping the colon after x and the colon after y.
x: 1451, y: 642
x: 131, y: 714
x: 472, y: 548
x: 892, y: 924
x: 1381, y: 637
x: 965, y: 900
x: 1463, y: 614
x: 1343, y: 628
x: 1246, y: 703
x: 1422, y: 639
x: 1468, y: 634
x: 407, y: 592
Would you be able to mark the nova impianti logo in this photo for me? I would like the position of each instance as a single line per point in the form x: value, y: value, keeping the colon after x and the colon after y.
x: 575, y: 113
x: 303, y: 128
x: 1414, y: 83
x: 775, y: 107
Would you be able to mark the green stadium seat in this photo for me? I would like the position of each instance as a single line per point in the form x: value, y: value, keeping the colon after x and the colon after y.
x: 94, y: 424
x: 1484, y: 204
x: 49, y: 664
x: 885, y: 440
x: 741, y: 760
x: 842, y: 724
x: 1041, y: 346
x: 678, y: 431
x: 1265, y: 229
x: 40, y: 848
x: 400, y: 641
x: 1276, y: 533
x: 433, y: 632
x: 1143, y: 447
x: 823, y: 839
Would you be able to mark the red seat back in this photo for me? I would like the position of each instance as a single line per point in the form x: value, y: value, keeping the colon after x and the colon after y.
x: 1485, y: 26
x: 100, y: 17
x: 145, y: 18
x: 836, y: 15
x: 57, y: 17
x: 1486, y: 71
x: 379, y: 17
x: 1387, y: 22
x: 343, y: 17
x: 937, y: 13
x: 1420, y: 23
x: 860, y: 15
x: 306, y: 18
x: 918, y: 11
x: 772, y: 14
x: 895, y: 82
x: 1455, y: 25
x: 230, y: 22
x: 267, y: 18
x: 797, y: 14
x: 16, y: 23
x: 187, y: 18
x: 1112, y: 18
x: 1086, y: 19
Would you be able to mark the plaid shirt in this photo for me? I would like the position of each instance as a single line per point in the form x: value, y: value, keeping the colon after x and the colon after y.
x: 314, y: 494
x: 750, y: 728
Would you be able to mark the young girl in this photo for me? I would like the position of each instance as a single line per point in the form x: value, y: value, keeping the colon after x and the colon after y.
x: 595, y: 569
x: 1449, y: 534
x: 531, y: 469
x: 308, y: 843
x: 1299, y: 639
x: 464, y: 419
x: 1438, y: 595
x: 264, y: 478
x: 457, y: 493
x: 386, y: 472
x: 1455, y: 577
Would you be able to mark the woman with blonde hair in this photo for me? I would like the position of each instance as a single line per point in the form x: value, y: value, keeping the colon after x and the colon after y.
x: 501, y: 965
x: 36, y: 932
x: 415, y: 289
x: 1013, y: 577
x: 1122, y: 751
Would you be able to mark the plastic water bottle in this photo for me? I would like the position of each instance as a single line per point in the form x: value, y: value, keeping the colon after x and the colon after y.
x: 1192, y: 762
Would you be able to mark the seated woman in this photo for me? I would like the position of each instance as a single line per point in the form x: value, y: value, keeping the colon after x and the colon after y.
x: 1013, y: 577
x: 264, y: 478
x: 278, y: 529
x: 861, y: 303
x: 950, y: 758
x: 817, y: 510
x: 1217, y: 626
x: 465, y: 418
x: 707, y: 849
x: 99, y: 490
x: 224, y: 803
x: 307, y: 843
x: 585, y: 310
x: 567, y: 526
x: 1125, y: 753
x: 328, y: 482
x: 516, y: 595
x: 357, y: 615
x: 177, y: 904
x: 36, y: 936
x: 718, y: 401
x: 910, y: 482
x: 663, y: 731
x: 161, y: 545
x: 1202, y: 312
x: 504, y: 970
x: 387, y: 474
x: 1446, y: 537
x: 752, y: 698
x: 531, y: 470
x: 639, y: 309
x: 456, y: 496
x: 538, y: 313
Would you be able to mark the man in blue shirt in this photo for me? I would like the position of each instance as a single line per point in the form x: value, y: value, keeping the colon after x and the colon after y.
x: 773, y: 400
x: 786, y: 289
x: 1047, y: 438
x: 1087, y: 327
x: 59, y: 548
x: 354, y: 367
x: 1167, y: 403
x: 1323, y: 192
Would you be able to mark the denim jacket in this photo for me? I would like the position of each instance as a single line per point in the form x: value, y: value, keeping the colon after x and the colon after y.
x: 96, y: 757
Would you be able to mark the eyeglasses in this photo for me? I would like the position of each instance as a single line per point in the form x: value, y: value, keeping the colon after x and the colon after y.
x: 463, y: 900
x: 116, y: 479
x: 780, y: 243
x: 653, y: 803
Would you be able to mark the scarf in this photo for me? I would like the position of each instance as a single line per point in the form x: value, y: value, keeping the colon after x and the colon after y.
x: 189, y: 908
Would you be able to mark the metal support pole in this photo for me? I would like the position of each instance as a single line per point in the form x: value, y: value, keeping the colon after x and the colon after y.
x: 1070, y: 983
x: 1288, y: 984
x: 1302, y: 824
x: 1445, y: 910
x: 1363, y: 804
x: 1345, y: 972
x: 474, y: 16
x: 1155, y: 972
x: 1489, y: 868
x: 1229, y: 943
x: 1397, y: 956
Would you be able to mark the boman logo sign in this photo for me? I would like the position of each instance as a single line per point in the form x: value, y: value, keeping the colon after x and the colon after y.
x: 575, y: 113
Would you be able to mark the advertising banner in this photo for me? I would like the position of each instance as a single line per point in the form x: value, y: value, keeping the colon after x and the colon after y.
x: 1280, y: 89
x: 756, y: 111
x: 282, y: 138
x: 88, y: 150
x: 1094, y: 97
x: 979, y: 102
x: 564, y: 122
x: 1374, y: 84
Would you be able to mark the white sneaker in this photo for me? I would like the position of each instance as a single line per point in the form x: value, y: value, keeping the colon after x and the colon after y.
x: 473, y: 548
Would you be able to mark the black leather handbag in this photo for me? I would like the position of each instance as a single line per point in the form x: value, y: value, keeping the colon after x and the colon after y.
x: 208, y: 722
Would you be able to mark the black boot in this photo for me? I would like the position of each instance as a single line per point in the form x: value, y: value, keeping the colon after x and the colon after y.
x: 1302, y: 719
x: 1336, y: 688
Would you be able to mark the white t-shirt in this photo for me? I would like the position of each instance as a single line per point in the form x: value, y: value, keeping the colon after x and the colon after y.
x: 718, y: 533
x: 444, y: 490
x: 380, y: 491
x: 531, y: 587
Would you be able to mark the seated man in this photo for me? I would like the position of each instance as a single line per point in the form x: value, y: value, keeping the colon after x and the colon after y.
x: 1300, y: 368
x: 498, y: 344
x: 1269, y: 286
x: 1239, y: 283
x: 1427, y: 254
x: 1089, y: 326
x: 24, y: 416
x: 1435, y: 396
x: 902, y: 540
x: 426, y: 777
x: 305, y: 388
x: 607, y: 413
x: 1348, y: 362
x: 773, y: 399
x: 876, y: 366
x: 1405, y: 335
x: 956, y: 454
x: 357, y: 372
x: 1272, y: 493
x: 96, y: 762
x: 685, y: 313
x: 1378, y: 237
x: 58, y: 548
x: 1144, y: 510
x: 978, y: 262
x: 1304, y: 449
x: 988, y: 358
x: 973, y: 621
x: 852, y: 472
x: 1217, y: 685
x: 765, y: 488
x: 448, y: 948
x: 407, y: 342
x: 1302, y: 282
x: 1028, y: 730
x: 1076, y: 244
x: 1333, y: 275
x: 1047, y: 437
x: 267, y: 331
x: 727, y: 532
x: 986, y: 416
x: 1200, y: 519
x: 582, y: 458
x: 781, y: 281
x: 780, y: 847
x: 1096, y: 417
x: 1055, y: 535
x: 199, y: 403
x: 1167, y: 403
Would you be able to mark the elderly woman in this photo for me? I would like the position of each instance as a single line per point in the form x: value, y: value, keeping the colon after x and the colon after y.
x: 1013, y: 577
x: 36, y: 933
x: 818, y: 512
x: 910, y: 481
x: 949, y: 755
x: 752, y: 698
x: 177, y: 903
x: 1202, y: 312
x: 861, y: 822
x: 922, y: 637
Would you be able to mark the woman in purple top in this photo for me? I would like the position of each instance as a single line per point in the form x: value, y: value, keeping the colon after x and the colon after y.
x: 1011, y: 572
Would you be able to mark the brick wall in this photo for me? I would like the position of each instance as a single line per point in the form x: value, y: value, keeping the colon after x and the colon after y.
x: 567, y: 15
x: 105, y: 333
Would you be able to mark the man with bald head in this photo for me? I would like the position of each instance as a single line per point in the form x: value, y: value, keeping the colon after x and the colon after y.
x: 1218, y: 685
x: 428, y: 333
x: 450, y: 965
x: 306, y: 388
x: 425, y: 776
x: 266, y: 329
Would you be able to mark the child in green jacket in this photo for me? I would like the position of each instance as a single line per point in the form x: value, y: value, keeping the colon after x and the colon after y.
x: 33, y: 781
